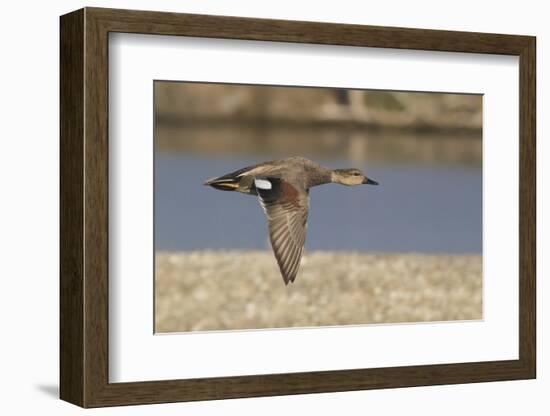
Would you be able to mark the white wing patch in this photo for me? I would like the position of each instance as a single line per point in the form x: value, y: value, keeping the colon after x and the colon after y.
x: 262, y: 184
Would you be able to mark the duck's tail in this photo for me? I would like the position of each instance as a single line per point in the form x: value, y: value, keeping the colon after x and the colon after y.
x: 223, y: 183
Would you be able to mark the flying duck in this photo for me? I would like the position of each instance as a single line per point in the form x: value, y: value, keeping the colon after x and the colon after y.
x: 282, y: 187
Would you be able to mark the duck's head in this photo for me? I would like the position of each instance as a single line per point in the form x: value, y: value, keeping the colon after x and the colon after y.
x: 351, y: 177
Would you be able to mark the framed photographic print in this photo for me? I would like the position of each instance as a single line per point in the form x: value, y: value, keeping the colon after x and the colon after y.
x: 255, y: 207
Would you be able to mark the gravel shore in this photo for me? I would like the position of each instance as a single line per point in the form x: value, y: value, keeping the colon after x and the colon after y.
x: 221, y: 290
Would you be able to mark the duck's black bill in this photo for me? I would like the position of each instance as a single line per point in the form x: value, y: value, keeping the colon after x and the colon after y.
x: 369, y: 181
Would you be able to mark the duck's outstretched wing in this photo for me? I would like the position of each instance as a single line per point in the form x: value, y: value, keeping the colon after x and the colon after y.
x: 286, y: 207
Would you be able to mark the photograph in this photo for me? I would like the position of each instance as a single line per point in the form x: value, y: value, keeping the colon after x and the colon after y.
x: 340, y: 207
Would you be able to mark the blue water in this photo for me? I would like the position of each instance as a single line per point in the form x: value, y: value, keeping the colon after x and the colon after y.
x: 416, y: 208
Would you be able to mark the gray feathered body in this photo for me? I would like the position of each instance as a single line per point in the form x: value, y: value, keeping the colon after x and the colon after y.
x: 299, y: 171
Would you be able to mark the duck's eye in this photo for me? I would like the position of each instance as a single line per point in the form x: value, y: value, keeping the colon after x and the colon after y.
x: 355, y: 173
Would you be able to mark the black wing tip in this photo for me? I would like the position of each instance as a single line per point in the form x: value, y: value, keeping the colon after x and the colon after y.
x: 287, y: 279
x: 289, y: 274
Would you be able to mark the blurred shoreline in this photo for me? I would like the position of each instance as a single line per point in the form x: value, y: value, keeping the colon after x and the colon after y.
x: 320, y: 143
x: 231, y: 290
x: 361, y: 125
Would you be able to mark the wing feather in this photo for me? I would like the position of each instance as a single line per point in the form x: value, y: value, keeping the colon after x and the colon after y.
x: 286, y: 208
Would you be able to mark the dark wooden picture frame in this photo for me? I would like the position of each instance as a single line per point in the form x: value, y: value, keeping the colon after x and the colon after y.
x: 84, y: 207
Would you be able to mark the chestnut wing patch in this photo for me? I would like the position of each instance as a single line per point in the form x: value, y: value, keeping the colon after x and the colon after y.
x: 286, y: 208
